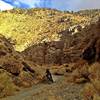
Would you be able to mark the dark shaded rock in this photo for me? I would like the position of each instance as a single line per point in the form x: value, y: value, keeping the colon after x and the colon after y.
x: 27, y: 68
x: 13, y: 67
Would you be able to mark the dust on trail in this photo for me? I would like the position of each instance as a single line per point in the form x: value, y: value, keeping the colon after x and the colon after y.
x: 60, y: 90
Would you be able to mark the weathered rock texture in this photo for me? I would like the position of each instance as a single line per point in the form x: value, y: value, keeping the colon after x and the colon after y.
x: 15, y: 72
x: 46, y: 53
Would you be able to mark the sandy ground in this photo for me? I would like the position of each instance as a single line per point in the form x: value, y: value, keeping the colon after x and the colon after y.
x: 59, y: 90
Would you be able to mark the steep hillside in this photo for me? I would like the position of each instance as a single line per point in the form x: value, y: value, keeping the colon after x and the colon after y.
x: 33, y: 26
x: 65, y: 50
x: 10, y: 65
x: 15, y: 72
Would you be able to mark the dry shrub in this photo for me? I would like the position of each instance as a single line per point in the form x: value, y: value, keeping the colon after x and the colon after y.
x: 93, y: 88
x: 95, y: 76
x: 80, y: 63
x: 25, y: 79
x: 88, y: 92
x: 95, y: 70
x: 96, y: 97
x: 7, y: 87
x: 80, y: 74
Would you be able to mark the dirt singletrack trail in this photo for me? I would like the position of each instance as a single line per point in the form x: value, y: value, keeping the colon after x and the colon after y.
x: 59, y: 90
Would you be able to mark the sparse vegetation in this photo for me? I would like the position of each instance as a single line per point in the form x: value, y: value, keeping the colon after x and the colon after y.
x: 92, y: 89
x: 7, y: 87
x: 48, y: 40
x: 28, y: 27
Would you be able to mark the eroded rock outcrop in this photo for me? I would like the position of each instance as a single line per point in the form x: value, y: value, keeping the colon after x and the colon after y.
x: 15, y: 72
x: 45, y: 53
x: 10, y: 60
x: 91, y: 51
